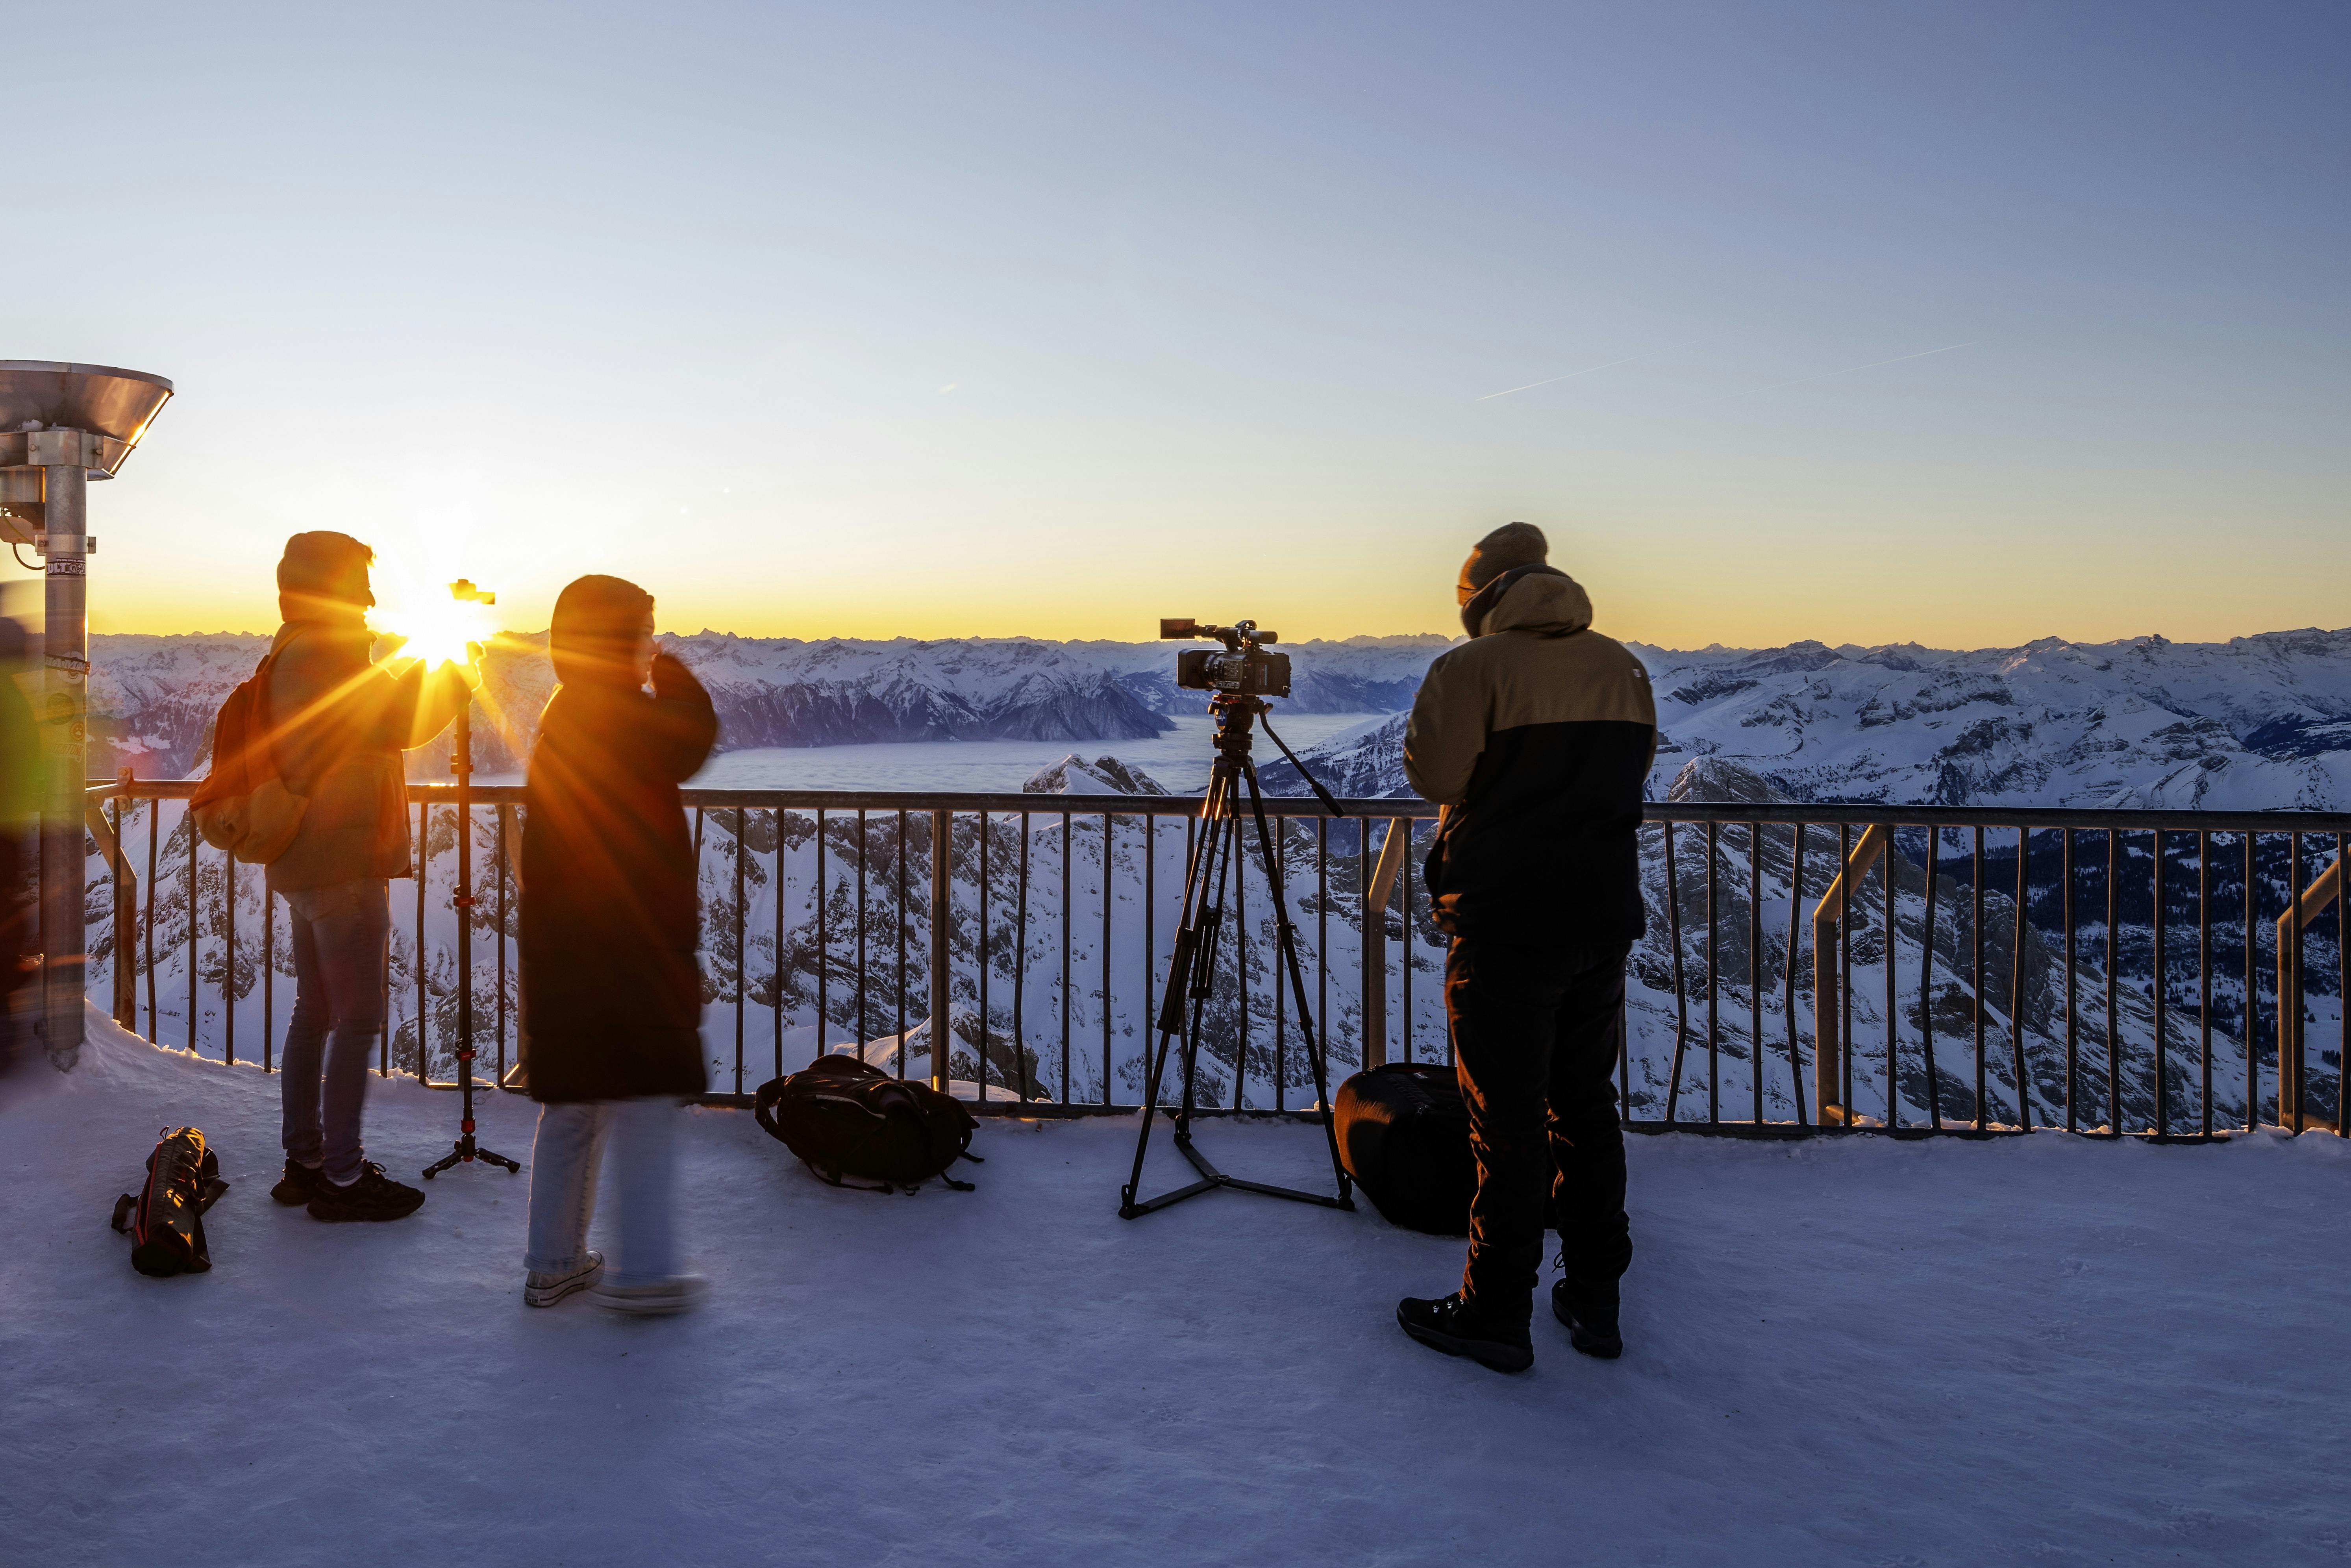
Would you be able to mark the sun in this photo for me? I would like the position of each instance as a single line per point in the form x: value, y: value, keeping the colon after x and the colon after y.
x: 437, y: 624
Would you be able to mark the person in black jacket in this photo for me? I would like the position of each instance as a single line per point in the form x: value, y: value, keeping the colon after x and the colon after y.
x: 1536, y: 736
x: 612, y: 994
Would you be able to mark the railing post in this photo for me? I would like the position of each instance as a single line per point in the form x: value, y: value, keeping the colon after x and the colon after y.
x: 942, y: 884
x: 1826, y: 916
x: 2303, y: 906
x: 1375, y: 938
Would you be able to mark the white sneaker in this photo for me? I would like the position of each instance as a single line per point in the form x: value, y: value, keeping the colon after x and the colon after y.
x: 545, y: 1290
x: 679, y: 1293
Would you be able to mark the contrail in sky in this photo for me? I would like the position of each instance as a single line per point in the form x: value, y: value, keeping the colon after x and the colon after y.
x: 1873, y: 364
x: 1569, y: 376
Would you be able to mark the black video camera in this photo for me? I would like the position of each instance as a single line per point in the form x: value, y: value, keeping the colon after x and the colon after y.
x: 1243, y: 669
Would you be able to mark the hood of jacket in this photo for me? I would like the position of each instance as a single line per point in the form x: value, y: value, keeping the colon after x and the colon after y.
x: 1549, y: 603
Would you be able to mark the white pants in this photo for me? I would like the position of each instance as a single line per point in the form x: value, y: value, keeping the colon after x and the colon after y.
x: 564, y: 1161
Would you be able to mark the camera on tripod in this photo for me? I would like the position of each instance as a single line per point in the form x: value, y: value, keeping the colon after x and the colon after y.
x: 1243, y: 669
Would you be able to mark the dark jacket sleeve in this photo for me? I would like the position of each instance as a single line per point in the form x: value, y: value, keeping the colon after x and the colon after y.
x: 1446, y: 734
x: 682, y: 726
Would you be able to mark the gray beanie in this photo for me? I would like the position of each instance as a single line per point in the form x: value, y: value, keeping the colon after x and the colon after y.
x: 1507, y: 547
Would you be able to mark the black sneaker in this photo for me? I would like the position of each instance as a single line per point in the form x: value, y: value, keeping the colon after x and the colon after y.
x: 373, y: 1196
x: 1455, y: 1326
x: 1589, y: 1311
x: 300, y: 1185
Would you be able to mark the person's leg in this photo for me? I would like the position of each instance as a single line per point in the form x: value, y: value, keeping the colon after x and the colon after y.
x: 1587, y: 1152
x: 302, y: 1056
x: 349, y: 932
x: 1500, y: 1001
x: 644, y: 1176
x: 564, y: 1159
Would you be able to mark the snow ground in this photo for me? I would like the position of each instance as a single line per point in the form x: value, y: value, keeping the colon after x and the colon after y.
x: 1863, y: 1351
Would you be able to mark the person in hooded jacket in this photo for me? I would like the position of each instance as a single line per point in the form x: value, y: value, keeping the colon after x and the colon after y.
x: 1536, y: 736
x: 337, y: 724
x: 612, y: 993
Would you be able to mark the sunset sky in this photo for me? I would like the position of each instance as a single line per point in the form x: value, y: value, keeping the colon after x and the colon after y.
x: 1962, y: 325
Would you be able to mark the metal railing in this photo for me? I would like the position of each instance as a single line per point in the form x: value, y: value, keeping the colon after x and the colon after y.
x: 1067, y: 905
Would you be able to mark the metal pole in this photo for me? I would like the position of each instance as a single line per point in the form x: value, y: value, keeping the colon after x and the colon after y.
x: 2162, y: 1061
x: 66, y: 656
x: 942, y: 886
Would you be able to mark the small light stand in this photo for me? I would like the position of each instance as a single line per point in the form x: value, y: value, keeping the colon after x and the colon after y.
x: 461, y: 763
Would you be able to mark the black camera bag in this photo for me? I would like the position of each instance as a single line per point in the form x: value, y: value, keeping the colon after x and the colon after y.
x: 165, y: 1217
x: 1404, y: 1135
x: 844, y: 1118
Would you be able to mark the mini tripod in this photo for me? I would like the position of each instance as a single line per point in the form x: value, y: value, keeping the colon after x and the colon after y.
x: 461, y: 763
x: 1192, y: 969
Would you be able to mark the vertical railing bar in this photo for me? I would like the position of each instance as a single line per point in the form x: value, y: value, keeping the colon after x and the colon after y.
x: 1363, y: 944
x: 228, y: 964
x: 1975, y: 939
x: 268, y: 976
x: 1681, y: 993
x: 2073, y: 960
x: 2253, y: 1072
x: 980, y: 946
x: 941, y: 959
x: 423, y: 870
x: 1020, y: 964
x: 2114, y: 1038
x: 1885, y: 864
x: 1150, y: 931
x: 1755, y: 966
x: 188, y: 821
x: 2342, y: 990
x: 506, y: 814
x: 776, y: 826
x: 1106, y: 848
x: 154, y: 819
x: 1323, y: 932
x: 2016, y: 981
x: 2162, y: 1059
x: 2204, y: 970
x: 864, y: 1034
x: 1926, y: 984
x: 1795, y: 955
x: 1066, y: 840
x: 1404, y: 907
x: 823, y: 947
x: 2289, y: 1007
x: 1845, y: 905
x: 937, y: 1046
x: 742, y: 951
x: 1713, y: 995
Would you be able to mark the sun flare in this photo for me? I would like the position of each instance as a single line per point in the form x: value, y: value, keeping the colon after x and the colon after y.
x: 437, y: 626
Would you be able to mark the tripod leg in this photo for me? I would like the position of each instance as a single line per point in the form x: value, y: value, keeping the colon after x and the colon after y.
x: 1204, y: 969
x: 1288, y: 941
x: 1188, y: 946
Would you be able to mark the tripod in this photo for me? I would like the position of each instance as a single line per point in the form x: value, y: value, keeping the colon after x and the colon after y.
x: 461, y: 763
x: 1191, y: 971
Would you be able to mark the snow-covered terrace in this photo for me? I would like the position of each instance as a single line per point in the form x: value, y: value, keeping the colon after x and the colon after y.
x: 2040, y: 1350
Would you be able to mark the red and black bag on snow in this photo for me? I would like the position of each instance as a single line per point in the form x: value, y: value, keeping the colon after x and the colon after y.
x: 844, y: 1118
x: 165, y: 1217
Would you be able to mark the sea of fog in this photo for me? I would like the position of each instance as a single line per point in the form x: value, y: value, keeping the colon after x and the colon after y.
x: 1178, y: 758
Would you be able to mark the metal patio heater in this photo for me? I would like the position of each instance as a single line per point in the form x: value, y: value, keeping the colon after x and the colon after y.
x: 62, y: 426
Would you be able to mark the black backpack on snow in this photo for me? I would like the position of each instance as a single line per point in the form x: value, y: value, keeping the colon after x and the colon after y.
x: 1404, y: 1135
x: 165, y: 1217
x: 844, y: 1118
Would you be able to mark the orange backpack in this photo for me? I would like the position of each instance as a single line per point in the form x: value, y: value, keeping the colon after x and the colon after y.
x: 243, y: 806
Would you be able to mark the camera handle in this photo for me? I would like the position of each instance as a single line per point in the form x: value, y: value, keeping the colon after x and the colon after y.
x: 1330, y: 801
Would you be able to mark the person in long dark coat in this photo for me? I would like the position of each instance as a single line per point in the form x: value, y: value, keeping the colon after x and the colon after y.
x: 611, y: 996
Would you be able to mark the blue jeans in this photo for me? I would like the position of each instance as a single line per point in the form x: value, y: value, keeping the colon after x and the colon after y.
x: 338, y: 935
x: 564, y: 1160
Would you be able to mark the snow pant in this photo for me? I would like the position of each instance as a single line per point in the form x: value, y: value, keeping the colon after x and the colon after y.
x: 1535, y: 1044
x: 339, y: 933
x: 564, y: 1161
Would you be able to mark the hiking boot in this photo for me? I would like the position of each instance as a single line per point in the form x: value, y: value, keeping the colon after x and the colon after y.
x: 545, y: 1290
x: 300, y: 1185
x: 679, y: 1293
x: 1588, y: 1308
x: 1454, y: 1326
x: 374, y: 1195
